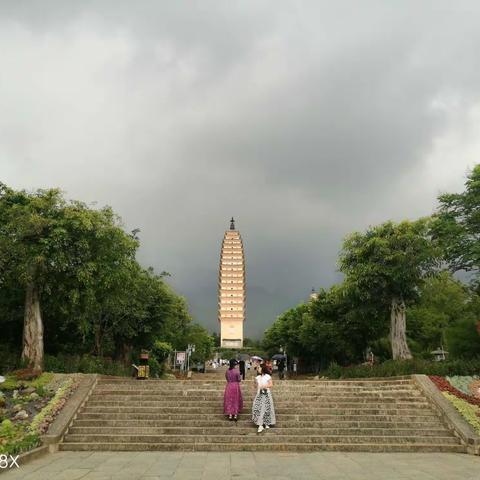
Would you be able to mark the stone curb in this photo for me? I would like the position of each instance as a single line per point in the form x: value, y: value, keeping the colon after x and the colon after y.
x: 62, y: 422
x: 449, y: 414
x: 29, y: 456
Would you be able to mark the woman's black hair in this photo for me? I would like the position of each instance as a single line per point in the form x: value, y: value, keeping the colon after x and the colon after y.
x: 265, y: 370
x: 233, y: 362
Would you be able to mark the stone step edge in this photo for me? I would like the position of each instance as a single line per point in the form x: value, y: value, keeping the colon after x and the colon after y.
x: 220, y: 422
x: 215, y: 435
x: 361, y: 379
x: 366, y: 447
x: 202, y: 431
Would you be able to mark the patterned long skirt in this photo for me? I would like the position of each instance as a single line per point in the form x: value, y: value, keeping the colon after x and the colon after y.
x: 263, y: 412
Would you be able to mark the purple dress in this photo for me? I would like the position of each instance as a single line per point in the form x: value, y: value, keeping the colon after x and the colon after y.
x: 232, y: 398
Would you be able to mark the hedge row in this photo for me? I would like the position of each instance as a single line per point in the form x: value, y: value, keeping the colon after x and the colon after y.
x: 393, y: 368
x: 85, y: 364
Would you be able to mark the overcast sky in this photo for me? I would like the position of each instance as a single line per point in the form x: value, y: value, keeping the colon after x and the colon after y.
x: 305, y: 120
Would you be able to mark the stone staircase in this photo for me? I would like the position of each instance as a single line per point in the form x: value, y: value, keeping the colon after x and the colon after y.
x: 358, y: 415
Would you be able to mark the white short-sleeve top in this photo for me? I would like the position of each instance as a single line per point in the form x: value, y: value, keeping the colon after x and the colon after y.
x: 262, y: 380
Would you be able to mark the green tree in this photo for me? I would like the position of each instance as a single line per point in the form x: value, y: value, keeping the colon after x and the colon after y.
x: 45, y: 242
x: 74, y: 270
x: 457, y: 225
x: 199, y: 336
x: 321, y: 333
x: 216, y: 339
x: 443, y: 302
x: 286, y: 332
x: 462, y: 339
x: 386, y: 266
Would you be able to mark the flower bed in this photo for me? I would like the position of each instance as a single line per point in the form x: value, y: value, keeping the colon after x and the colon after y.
x: 445, y: 386
x: 470, y: 412
x: 29, y: 407
x: 467, y: 405
x: 463, y: 383
x: 42, y: 420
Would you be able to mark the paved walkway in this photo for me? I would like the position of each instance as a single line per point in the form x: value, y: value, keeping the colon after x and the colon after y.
x: 248, y: 466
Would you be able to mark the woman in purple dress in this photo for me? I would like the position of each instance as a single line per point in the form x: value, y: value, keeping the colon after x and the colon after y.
x: 232, y: 398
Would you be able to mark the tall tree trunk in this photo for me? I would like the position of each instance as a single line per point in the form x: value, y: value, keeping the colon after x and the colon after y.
x: 32, y: 351
x: 127, y: 354
x: 398, y: 328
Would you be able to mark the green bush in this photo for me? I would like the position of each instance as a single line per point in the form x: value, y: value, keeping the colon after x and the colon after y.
x: 392, y: 368
x: 156, y: 368
x: 9, y: 358
x: 85, y: 364
x: 14, y: 439
x: 10, y: 383
x: 43, y: 380
x: 161, y: 350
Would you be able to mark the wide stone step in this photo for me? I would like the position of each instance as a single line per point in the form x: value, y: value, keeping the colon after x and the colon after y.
x: 219, y: 395
x: 430, y: 423
x: 242, y: 429
x: 301, y: 417
x: 221, y: 379
x: 280, y: 410
x: 278, y: 401
x: 128, y: 395
x: 287, y: 383
x: 270, y: 436
x: 277, y: 386
x: 259, y: 447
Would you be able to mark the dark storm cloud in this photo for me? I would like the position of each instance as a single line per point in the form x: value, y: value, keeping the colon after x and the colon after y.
x: 305, y: 120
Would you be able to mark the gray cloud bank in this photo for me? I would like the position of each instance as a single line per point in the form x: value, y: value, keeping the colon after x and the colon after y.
x: 304, y: 120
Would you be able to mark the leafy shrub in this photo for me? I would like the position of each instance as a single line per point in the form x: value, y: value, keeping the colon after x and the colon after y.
x: 9, y: 358
x: 156, y: 368
x: 161, y: 350
x: 43, y: 380
x: 470, y: 412
x: 392, y: 368
x: 41, y: 391
x: 85, y: 364
x: 10, y: 383
x: 14, y: 439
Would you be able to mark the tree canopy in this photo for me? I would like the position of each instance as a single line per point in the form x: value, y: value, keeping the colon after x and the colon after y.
x: 69, y: 273
x: 457, y: 225
x: 396, y: 272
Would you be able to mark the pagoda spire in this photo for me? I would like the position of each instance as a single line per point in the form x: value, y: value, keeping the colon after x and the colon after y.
x: 232, y: 224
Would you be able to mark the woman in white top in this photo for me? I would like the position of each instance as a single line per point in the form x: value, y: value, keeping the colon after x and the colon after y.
x: 263, y: 413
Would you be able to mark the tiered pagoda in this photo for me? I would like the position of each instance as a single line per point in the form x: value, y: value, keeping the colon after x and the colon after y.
x: 231, y: 289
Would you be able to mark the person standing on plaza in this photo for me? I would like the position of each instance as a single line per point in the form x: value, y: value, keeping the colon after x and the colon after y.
x: 232, y: 398
x: 281, y: 368
x: 241, y: 365
x: 263, y: 412
x: 269, y: 365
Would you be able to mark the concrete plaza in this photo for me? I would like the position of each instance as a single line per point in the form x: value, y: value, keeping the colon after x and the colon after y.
x: 248, y: 466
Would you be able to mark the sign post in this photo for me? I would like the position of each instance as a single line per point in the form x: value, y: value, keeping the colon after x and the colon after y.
x: 180, y: 359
